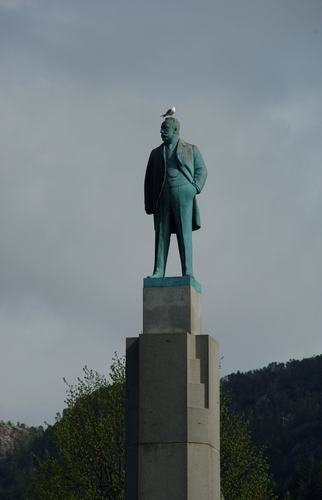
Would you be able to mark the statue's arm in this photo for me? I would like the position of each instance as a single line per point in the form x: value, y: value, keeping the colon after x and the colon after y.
x: 200, y: 170
x: 148, y: 186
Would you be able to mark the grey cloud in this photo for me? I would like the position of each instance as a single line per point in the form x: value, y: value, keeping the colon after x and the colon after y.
x: 81, y: 93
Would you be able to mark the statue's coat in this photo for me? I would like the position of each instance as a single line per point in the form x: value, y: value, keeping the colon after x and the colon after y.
x: 190, y: 163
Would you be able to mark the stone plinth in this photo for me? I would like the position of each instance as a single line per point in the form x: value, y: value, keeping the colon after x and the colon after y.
x: 172, y: 418
x: 172, y: 305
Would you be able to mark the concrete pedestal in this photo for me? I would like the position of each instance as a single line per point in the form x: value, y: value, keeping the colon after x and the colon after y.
x: 171, y: 305
x: 172, y: 441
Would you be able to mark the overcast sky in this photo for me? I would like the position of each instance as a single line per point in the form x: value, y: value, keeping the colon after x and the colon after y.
x: 82, y: 87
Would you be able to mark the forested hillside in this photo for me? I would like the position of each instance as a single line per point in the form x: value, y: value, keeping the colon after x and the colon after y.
x: 18, y: 444
x: 284, y: 401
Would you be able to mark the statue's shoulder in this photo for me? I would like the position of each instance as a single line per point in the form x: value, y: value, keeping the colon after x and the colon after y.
x: 185, y: 145
x: 157, y: 151
x: 186, y: 149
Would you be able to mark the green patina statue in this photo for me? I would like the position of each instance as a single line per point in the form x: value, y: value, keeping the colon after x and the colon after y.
x: 175, y: 174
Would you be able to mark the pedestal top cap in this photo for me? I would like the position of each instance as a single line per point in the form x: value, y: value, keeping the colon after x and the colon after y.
x: 174, y: 281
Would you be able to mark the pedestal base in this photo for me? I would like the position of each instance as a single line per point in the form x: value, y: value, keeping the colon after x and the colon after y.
x: 172, y: 448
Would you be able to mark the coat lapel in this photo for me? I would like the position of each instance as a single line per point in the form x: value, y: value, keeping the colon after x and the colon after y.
x: 180, y: 151
x: 184, y: 159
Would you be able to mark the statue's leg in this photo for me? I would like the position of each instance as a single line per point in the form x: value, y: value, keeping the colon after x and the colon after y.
x: 162, y: 234
x: 182, y: 207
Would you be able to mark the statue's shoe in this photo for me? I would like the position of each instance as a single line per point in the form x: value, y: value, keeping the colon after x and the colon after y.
x: 155, y: 275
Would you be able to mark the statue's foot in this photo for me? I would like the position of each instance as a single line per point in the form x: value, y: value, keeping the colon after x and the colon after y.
x: 156, y: 275
x: 187, y: 274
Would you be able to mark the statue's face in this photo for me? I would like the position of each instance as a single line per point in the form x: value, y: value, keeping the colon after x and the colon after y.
x: 168, y: 132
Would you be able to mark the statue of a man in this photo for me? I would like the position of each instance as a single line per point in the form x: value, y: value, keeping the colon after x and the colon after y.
x: 175, y: 174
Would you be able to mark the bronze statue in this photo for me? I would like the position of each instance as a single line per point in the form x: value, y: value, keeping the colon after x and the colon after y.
x: 175, y: 174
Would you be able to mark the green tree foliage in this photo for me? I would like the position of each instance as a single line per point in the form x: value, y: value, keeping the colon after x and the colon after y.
x: 90, y: 442
x: 88, y: 459
x: 244, y: 471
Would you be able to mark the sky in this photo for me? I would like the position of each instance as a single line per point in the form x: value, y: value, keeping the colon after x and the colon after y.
x: 82, y: 87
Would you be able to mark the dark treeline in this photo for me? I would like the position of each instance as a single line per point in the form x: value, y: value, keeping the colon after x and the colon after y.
x: 18, y: 445
x: 284, y: 402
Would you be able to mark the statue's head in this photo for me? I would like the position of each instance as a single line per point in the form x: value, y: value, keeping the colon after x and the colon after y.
x: 170, y: 130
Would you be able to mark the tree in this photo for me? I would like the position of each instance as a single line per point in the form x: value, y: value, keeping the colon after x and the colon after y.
x: 244, y: 473
x: 17, y: 446
x: 306, y: 481
x: 89, y: 439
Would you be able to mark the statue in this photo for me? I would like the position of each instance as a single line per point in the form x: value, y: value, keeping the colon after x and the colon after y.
x: 175, y: 174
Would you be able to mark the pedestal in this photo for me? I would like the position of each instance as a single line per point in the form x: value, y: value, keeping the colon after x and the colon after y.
x: 171, y: 305
x: 172, y: 440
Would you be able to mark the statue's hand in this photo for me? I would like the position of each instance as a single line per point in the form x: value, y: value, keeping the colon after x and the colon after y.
x: 189, y: 191
x: 149, y: 209
x: 194, y: 189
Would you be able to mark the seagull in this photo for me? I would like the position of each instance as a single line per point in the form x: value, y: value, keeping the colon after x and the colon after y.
x: 170, y: 112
